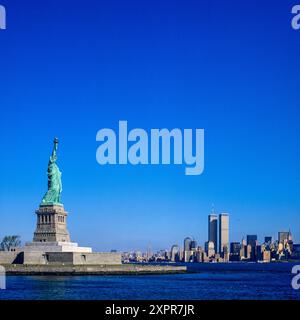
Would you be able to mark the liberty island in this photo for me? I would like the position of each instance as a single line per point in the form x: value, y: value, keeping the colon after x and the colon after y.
x: 51, y: 241
x: 53, y: 252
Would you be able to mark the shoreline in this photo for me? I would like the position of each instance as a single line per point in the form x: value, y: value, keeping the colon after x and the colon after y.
x: 123, y: 269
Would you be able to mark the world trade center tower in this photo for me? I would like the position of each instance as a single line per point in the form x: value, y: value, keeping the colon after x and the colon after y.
x: 223, y: 233
x: 213, y: 230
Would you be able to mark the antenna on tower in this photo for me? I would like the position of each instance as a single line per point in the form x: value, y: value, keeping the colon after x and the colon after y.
x: 213, y: 208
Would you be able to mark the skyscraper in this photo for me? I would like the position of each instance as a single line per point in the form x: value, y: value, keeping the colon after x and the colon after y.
x: 223, y: 233
x: 252, y: 240
x: 213, y: 229
x: 284, y: 236
x: 175, y: 253
x: 187, y: 244
x: 209, y: 248
x: 235, y: 248
x: 268, y: 240
x: 193, y: 245
x: 187, y: 249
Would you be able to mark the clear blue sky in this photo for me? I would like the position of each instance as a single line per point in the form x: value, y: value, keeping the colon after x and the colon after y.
x: 70, y: 68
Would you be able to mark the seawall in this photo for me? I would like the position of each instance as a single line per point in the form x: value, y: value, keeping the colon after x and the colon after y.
x: 123, y: 269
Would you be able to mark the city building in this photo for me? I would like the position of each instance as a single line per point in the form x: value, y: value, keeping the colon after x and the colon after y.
x: 263, y: 255
x: 296, y: 252
x: 223, y: 233
x: 209, y: 249
x: 252, y: 240
x: 199, y: 255
x: 193, y: 245
x: 187, y: 244
x: 268, y: 240
x: 213, y: 230
x: 235, y: 251
x: 284, y: 237
x: 187, y: 253
x: 175, y: 253
x: 247, y: 252
x: 226, y: 254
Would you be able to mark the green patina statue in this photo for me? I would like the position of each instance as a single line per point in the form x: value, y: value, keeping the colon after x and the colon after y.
x: 52, y: 196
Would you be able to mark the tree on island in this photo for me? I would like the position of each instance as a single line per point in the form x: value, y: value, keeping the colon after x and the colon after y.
x: 9, y: 242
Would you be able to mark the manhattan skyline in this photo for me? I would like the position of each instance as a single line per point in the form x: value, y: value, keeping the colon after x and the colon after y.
x: 169, y: 66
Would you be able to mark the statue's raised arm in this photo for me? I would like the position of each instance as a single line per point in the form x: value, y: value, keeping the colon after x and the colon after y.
x: 52, y: 196
x: 53, y: 157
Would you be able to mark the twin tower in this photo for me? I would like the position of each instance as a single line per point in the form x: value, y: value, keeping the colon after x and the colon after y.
x: 223, y: 245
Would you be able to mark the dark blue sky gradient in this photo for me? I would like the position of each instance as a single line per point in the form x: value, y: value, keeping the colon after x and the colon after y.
x: 70, y: 68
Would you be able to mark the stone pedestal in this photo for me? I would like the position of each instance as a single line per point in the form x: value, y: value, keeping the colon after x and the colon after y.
x: 55, y: 247
x: 51, y: 224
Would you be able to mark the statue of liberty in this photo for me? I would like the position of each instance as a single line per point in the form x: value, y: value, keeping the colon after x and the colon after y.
x: 52, y: 196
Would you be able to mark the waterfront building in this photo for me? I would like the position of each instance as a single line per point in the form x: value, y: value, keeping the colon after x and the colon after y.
x: 223, y: 233
x: 252, y: 240
x: 216, y: 258
x: 235, y: 247
x: 205, y: 258
x: 187, y: 253
x: 266, y: 256
x: 244, y: 242
x: 210, y: 249
x: 213, y: 229
x: 193, y: 245
x: 296, y: 251
x: 268, y: 240
x: 262, y: 254
x: 242, y: 252
x: 199, y: 255
x: 248, y: 250
x: 181, y: 254
x: 284, y: 237
x: 187, y: 244
x: 175, y: 253
x: 226, y: 254
x: 235, y: 251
